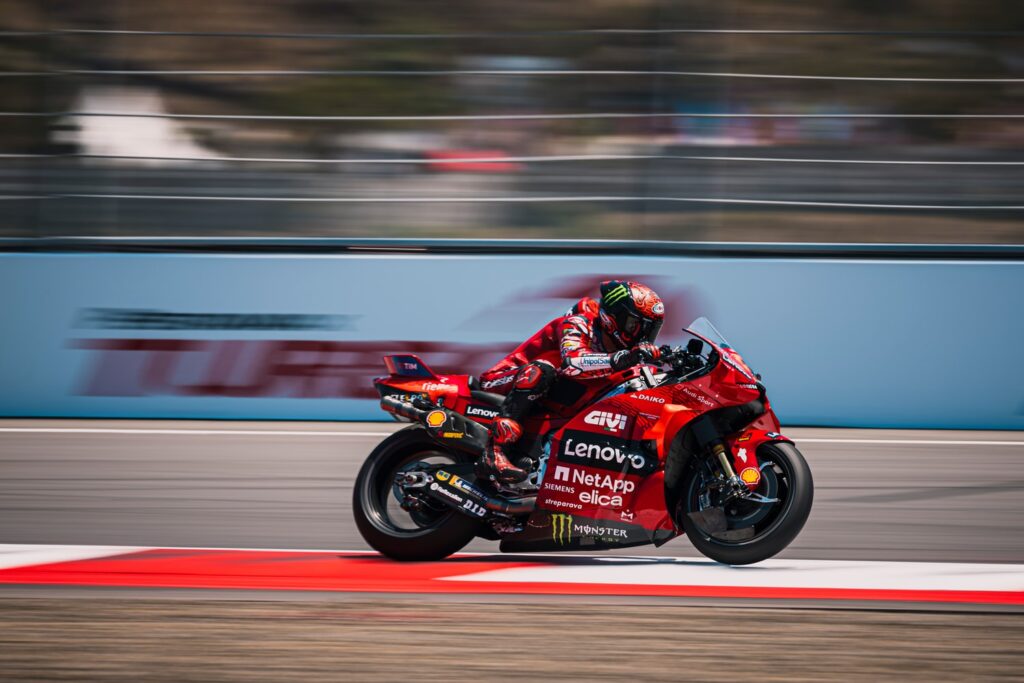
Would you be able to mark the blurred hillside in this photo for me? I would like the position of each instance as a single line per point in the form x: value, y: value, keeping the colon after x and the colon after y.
x: 579, y: 175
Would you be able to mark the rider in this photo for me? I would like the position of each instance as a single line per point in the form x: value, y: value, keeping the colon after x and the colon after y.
x: 593, y: 339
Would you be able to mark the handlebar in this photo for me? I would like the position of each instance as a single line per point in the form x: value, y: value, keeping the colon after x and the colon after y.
x: 680, y: 359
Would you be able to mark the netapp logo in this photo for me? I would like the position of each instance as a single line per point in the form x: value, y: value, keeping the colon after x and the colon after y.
x: 479, y: 411
x: 604, y: 481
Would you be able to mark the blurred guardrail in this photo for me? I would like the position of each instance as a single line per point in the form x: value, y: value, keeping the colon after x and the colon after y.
x: 736, y: 146
x: 294, y: 329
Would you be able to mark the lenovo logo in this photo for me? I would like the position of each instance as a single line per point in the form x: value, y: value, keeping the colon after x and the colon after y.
x: 591, y: 453
x: 478, y: 411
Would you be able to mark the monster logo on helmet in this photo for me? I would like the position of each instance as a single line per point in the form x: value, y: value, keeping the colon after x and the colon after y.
x: 630, y: 312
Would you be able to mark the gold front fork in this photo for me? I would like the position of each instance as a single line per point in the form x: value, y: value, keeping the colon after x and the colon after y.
x: 723, y: 458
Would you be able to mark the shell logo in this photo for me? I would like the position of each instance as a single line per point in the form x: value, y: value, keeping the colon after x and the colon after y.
x: 436, y: 418
x: 750, y: 475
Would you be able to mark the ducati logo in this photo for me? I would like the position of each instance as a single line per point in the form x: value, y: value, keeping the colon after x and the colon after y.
x: 612, y: 422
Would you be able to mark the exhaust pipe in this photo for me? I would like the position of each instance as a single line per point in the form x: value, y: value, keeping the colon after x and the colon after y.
x: 512, y: 506
x: 397, y: 406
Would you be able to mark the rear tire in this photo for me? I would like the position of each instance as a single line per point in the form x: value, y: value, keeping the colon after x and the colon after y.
x: 780, y: 526
x: 424, y: 537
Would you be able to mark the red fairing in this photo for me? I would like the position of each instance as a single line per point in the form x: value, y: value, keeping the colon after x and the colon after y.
x: 452, y: 391
x: 604, y: 477
x: 570, y: 343
x: 744, y: 452
x: 595, y: 471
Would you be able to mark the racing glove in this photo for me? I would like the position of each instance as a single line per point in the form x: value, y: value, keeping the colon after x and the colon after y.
x: 641, y: 353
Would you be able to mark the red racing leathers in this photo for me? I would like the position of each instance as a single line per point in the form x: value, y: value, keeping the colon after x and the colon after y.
x: 571, y: 344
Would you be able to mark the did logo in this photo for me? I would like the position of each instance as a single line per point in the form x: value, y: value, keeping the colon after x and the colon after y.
x: 612, y: 422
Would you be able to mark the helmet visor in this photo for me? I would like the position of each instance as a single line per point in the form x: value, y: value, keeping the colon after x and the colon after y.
x: 639, y: 329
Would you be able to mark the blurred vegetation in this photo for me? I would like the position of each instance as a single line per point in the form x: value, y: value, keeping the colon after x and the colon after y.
x: 539, y: 34
x: 519, y: 30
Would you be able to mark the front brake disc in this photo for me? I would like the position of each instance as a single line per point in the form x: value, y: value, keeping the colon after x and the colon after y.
x: 710, y: 520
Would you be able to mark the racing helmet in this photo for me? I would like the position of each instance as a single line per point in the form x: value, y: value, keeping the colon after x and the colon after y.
x: 630, y: 312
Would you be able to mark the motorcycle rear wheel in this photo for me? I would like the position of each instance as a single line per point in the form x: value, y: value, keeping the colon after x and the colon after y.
x: 425, y: 535
x: 785, y: 474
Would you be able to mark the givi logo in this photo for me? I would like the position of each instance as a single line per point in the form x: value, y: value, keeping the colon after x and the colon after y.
x: 612, y: 422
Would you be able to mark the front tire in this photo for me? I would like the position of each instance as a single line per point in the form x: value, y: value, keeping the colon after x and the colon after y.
x: 411, y: 537
x: 785, y: 475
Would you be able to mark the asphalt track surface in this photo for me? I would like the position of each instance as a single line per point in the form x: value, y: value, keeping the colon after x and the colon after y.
x: 879, y: 495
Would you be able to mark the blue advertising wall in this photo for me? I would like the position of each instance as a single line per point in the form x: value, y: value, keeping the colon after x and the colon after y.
x: 840, y: 342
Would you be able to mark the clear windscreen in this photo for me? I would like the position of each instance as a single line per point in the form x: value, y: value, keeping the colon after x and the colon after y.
x: 702, y: 327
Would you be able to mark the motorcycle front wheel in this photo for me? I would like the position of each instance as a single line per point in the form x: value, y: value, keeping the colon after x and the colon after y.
x: 432, y: 532
x: 754, y: 531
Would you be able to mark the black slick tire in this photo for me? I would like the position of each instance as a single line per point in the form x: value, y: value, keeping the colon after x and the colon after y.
x: 449, y: 533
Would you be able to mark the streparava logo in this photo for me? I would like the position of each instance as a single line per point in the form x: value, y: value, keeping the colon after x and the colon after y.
x: 561, y: 529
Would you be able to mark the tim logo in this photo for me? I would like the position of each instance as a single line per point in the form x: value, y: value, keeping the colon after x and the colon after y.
x: 612, y: 422
x: 561, y: 529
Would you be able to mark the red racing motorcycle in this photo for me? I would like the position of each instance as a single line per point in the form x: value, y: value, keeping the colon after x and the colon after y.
x: 638, y: 457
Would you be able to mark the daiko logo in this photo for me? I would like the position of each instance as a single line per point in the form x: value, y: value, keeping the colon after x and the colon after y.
x: 612, y: 422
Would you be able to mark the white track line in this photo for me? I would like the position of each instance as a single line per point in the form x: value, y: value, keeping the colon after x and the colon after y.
x: 941, y: 576
x: 341, y: 433
x: 184, y: 432
x: 649, y: 571
x: 24, y: 555
x: 912, y: 442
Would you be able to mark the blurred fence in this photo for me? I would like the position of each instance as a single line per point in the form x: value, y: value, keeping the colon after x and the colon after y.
x: 656, y: 133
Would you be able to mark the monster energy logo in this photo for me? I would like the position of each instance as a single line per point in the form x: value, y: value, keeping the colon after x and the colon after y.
x: 561, y: 529
x: 617, y: 294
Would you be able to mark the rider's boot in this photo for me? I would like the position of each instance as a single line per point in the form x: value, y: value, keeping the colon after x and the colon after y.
x: 530, y: 385
x: 494, y: 463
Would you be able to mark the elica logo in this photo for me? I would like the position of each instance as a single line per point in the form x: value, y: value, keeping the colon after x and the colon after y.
x: 596, y: 482
x: 603, y: 454
x: 612, y: 422
x: 477, y: 411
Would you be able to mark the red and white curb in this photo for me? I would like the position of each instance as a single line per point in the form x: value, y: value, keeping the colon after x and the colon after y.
x: 355, y: 571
